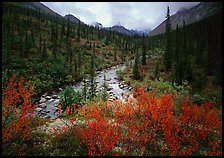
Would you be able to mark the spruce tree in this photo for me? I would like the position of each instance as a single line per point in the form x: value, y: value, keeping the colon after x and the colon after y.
x: 115, y: 54
x: 135, y: 73
x: 167, y: 55
x: 157, y: 69
x: 78, y: 32
x: 84, y: 90
x: 143, y: 50
x: 40, y: 51
x: 92, y: 75
x: 104, y: 91
x: 44, y: 54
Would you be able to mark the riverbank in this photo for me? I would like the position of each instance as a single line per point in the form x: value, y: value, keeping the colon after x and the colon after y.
x: 47, y: 105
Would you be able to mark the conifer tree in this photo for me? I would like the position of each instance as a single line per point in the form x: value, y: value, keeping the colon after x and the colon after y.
x: 92, y: 75
x: 44, y: 54
x: 143, y: 50
x: 68, y: 28
x: 167, y: 55
x: 135, y: 73
x: 104, y: 91
x: 84, y: 90
x: 157, y: 69
x: 40, y: 52
x: 78, y: 32
x: 115, y: 54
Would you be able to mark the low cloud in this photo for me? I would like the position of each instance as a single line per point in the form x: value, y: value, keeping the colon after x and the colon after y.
x: 132, y: 15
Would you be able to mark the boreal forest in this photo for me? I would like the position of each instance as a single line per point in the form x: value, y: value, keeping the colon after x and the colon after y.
x: 73, y: 89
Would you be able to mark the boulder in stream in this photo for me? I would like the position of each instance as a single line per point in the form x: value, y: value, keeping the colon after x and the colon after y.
x: 55, y: 97
x: 38, y: 109
x: 43, y: 105
x: 42, y: 100
x: 109, y: 89
x: 48, y: 97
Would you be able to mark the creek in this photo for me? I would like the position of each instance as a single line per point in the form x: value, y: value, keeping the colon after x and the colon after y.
x: 47, y: 107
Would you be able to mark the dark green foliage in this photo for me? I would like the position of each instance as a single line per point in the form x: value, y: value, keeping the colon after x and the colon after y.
x: 167, y: 55
x: 92, y: 92
x: 44, y: 54
x: 67, y: 97
x: 40, y: 45
x: 84, y: 90
x: 103, y: 92
x: 143, y: 51
x: 157, y: 70
x: 78, y: 32
x: 69, y: 144
x: 136, y: 74
x: 68, y: 28
x: 115, y: 54
x: 197, y: 99
x: 197, y: 51
x: 120, y: 74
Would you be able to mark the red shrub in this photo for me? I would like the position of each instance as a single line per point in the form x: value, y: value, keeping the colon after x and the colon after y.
x: 16, y: 111
x: 147, y: 119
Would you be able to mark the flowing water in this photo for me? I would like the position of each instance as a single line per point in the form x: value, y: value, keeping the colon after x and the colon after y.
x: 116, y: 90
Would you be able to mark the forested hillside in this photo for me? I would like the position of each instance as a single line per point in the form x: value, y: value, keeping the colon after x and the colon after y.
x: 52, y: 52
x: 71, y: 89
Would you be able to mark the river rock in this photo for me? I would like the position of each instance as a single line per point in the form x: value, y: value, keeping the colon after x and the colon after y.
x: 121, y: 86
x: 55, y: 105
x: 111, y: 98
x: 42, y: 100
x: 47, y: 116
x: 44, y: 95
x: 108, y: 79
x: 55, y: 97
x: 109, y: 89
x: 38, y: 109
x: 55, y: 108
x: 43, y: 105
x: 111, y: 92
x: 48, y: 97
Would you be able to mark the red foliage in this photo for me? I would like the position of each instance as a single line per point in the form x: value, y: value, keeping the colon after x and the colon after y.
x: 100, y: 135
x: 148, y: 120
x: 17, y: 110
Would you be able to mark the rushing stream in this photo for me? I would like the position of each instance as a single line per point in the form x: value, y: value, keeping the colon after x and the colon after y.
x: 48, y: 105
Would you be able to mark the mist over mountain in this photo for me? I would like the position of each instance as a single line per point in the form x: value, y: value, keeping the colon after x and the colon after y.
x: 194, y: 14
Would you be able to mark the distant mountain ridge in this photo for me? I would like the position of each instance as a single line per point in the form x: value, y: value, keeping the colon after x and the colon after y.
x: 126, y: 31
x: 73, y: 18
x: 194, y: 14
x: 42, y: 7
x: 117, y: 28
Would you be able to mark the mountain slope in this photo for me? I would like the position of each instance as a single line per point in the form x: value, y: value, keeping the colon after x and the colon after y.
x: 43, y: 8
x: 194, y: 14
x: 73, y: 18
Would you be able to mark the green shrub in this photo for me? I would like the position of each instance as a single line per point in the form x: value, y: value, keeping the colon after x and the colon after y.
x: 66, y: 97
x: 39, y: 144
x: 197, y: 99
x: 120, y: 74
x: 68, y: 144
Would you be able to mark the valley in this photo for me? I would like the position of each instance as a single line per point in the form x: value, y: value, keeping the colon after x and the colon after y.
x: 76, y: 89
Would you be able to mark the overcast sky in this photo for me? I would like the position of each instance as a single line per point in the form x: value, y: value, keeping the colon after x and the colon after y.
x: 131, y: 15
